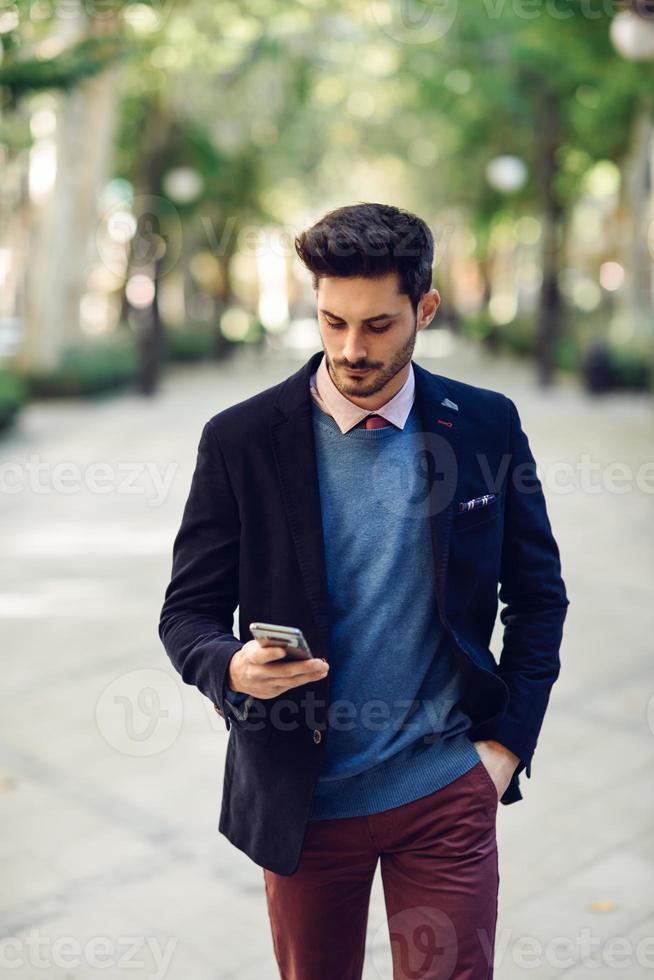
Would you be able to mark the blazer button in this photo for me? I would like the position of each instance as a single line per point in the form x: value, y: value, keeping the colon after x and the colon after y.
x: 317, y: 736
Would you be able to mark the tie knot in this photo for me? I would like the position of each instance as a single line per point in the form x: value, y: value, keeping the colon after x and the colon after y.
x: 373, y: 422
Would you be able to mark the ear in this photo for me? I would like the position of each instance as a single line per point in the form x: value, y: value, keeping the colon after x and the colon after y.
x: 427, y: 308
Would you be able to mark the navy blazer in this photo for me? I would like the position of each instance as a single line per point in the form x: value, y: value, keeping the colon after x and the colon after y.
x: 251, y: 536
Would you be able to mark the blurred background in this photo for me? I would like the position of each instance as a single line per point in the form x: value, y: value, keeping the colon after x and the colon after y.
x: 156, y: 161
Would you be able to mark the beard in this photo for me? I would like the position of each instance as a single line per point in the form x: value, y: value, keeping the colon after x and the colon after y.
x: 382, y: 373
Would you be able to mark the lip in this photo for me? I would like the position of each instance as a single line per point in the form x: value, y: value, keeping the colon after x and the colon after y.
x: 358, y: 374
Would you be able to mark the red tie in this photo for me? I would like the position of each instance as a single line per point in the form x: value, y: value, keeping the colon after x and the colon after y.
x: 372, y: 422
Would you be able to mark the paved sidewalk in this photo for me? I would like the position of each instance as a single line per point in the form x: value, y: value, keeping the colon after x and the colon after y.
x: 111, y: 769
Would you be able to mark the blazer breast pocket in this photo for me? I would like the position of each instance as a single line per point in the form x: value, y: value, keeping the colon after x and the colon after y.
x: 465, y: 519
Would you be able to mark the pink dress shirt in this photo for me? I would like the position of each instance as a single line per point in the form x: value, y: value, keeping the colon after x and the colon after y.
x: 346, y: 414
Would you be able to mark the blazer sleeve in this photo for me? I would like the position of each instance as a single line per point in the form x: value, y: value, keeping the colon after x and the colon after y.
x: 535, y: 603
x: 195, y: 624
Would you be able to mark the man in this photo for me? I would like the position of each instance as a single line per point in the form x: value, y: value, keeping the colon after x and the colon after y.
x: 378, y: 507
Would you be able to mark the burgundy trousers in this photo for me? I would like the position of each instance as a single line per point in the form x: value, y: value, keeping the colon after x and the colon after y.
x: 439, y: 868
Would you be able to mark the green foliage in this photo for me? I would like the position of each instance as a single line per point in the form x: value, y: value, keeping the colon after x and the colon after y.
x: 541, y: 78
x: 568, y: 353
x: 190, y: 344
x: 64, y: 70
x: 13, y: 394
x: 88, y: 369
x: 479, y: 328
x: 281, y: 106
x: 519, y: 336
x: 516, y: 337
x: 631, y: 368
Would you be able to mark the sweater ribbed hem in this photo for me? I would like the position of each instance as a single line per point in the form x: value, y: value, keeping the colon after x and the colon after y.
x: 403, y: 779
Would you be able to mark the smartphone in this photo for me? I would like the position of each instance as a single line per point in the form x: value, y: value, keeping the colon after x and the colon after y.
x: 290, y: 637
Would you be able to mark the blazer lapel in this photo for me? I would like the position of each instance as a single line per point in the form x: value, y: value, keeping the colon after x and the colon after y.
x: 294, y: 451
x: 441, y: 426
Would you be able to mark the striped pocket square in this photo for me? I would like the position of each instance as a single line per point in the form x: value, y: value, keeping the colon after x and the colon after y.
x: 477, y: 502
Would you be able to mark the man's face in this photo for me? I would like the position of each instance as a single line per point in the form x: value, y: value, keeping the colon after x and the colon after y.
x: 368, y: 323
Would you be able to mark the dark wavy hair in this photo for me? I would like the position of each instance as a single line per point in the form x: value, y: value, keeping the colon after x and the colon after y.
x: 370, y: 240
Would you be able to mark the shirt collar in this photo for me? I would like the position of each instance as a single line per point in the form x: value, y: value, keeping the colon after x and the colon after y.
x: 346, y: 414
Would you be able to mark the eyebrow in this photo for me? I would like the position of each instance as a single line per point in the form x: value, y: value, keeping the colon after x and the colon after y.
x: 368, y: 319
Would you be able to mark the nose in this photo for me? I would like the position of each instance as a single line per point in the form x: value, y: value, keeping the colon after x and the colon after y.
x: 354, y: 350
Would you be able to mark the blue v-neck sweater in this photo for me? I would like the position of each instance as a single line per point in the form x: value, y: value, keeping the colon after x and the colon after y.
x: 397, y: 729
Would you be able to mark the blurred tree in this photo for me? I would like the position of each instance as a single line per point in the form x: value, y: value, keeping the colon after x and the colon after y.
x: 235, y: 117
x: 211, y: 110
x: 542, y: 84
x: 70, y: 50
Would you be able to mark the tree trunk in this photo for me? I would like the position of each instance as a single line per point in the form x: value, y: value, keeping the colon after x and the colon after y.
x: 550, y: 317
x: 635, y: 300
x: 63, y: 240
x: 551, y: 311
x: 149, y: 241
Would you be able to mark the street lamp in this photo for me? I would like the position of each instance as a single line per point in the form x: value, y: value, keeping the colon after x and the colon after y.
x: 506, y: 173
x: 632, y: 32
x: 183, y: 185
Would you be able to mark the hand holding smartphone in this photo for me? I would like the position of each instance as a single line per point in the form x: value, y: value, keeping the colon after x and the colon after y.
x: 290, y: 637
x: 276, y: 660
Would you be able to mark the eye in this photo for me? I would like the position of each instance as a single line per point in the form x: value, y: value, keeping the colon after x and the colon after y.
x: 339, y: 326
